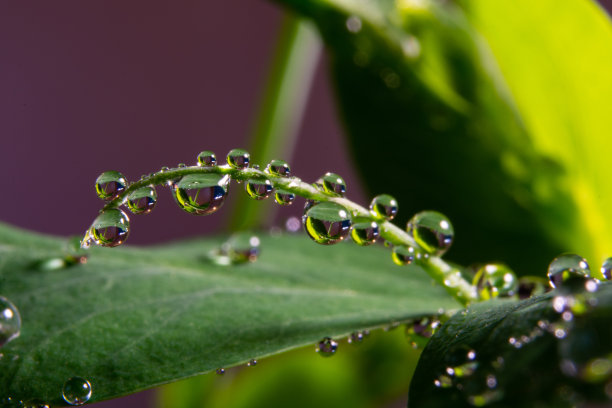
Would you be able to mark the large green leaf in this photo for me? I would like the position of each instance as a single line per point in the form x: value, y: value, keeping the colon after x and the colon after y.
x: 433, y: 122
x: 133, y: 318
x: 520, y: 354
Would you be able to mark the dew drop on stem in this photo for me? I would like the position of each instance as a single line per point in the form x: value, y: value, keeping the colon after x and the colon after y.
x: 201, y: 194
x: 495, y: 280
x: 109, y: 184
x: 432, y: 231
x: 142, y: 200
x: 110, y: 228
x: 568, y: 269
x: 259, y: 189
x: 365, y: 232
x: 283, y: 197
x: 332, y: 184
x: 278, y: 168
x: 403, y: 255
x: 327, y: 223
x: 238, y: 159
x: 384, y: 206
x: 207, y: 159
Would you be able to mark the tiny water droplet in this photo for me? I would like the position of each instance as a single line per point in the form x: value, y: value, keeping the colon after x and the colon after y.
x: 164, y: 169
x: 356, y: 337
x: 207, y: 159
x: 443, y: 381
x: 432, y: 231
x: 606, y: 269
x: 238, y: 158
x: 327, y: 347
x: 10, y: 321
x: 419, y: 331
x: 252, y: 363
x: 110, y: 228
x: 142, y: 200
x: 283, y: 197
x: 278, y: 168
x: 495, y: 280
x: 201, y: 194
x: 353, y: 24
x: 384, y: 206
x: 327, y: 223
x: 331, y: 183
x: 76, y: 391
x: 403, y: 255
x: 259, y: 189
x: 181, y: 165
x: 36, y: 403
x: 365, y: 232
x: 567, y: 269
x: 220, y: 371
x: 109, y: 184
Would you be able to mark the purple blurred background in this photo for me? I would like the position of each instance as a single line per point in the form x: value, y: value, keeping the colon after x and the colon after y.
x: 132, y: 86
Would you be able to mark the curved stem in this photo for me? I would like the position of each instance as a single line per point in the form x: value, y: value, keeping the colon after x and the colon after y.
x: 443, y: 273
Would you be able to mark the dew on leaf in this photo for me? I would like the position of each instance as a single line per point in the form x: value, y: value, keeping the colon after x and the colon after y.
x: 207, y: 159
x: 327, y: 347
x: 259, y: 189
x: 384, y: 206
x: 109, y: 184
x: 278, y: 168
x: 238, y: 159
x: 201, y: 194
x: 567, y: 269
x: 36, y: 403
x: 142, y: 200
x: 356, y: 337
x: 331, y: 183
x: 252, y: 363
x: 327, y: 223
x: 10, y: 321
x: 365, y: 232
x: 432, y: 231
x: 242, y: 248
x: 220, y: 371
x: 110, y: 228
x: 76, y: 391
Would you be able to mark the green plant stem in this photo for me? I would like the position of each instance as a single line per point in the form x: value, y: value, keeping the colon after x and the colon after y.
x: 282, y: 109
x: 443, y: 273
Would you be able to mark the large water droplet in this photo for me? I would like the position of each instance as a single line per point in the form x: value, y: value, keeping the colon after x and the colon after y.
x: 207, y: 159
x: 201, y: 194
x: 567, y: 268
x: 76, y: 391
x: 403, y: 255
x: 606, y: 269
x: 110, y: 228
x: 432, y: 231
x: 238, y: 159
x: 10, y: 321
x: 284, y: 197
x: 259, y: 189
x: 365, y: 232
x: 331, y: 183
x: 384, y: 206
x: 109, y: 184
x: 327, y: 223
x: 327, y: 347
x: 142, y: 200
x: 278, y: 168
x: 495, y: 280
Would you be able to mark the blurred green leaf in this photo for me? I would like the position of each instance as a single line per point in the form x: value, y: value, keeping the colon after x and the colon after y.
x: 134, y: 318
x: 518, y: 359
x: 433, y: 122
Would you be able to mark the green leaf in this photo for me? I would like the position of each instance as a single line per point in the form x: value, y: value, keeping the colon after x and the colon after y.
x: 518, y: 358
x: 134, y: 318
x: 433, y: 123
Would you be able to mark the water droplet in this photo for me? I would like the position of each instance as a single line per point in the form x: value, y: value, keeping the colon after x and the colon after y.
x: 110, y: 228
x: 36, y: 403
x: 252, y: 363
x: 566, y: 269
x: 181, y: 165
x: 365, y: 232
x: 76, y: 391
x: 242, y: 248
x: 327, y: 347
x: 207, y: 159
x: 283, y: 197
x: 142, y: 200
x: 164, y: 169
x: 353, y: 24
x: 109, y: 184
x: 10, y: 321
x: 201, y: 194
x: 531, y: 286
x: 403, y: 255
x: 238, y: 159
x: 606, y: 269
x: 220, y: 371
x: 495, y: 280
x: 259, y: 189
x: 432, y: 231
x: 278, y: 168
x: 443, y: 381
x: 419, y: 331
x: 331, y: 183
x: 356, y: 337
x: 384, y: 206
x: 327, y: 223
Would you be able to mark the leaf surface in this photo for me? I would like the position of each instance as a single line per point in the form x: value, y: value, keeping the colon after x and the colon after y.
x: 133, y: 318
